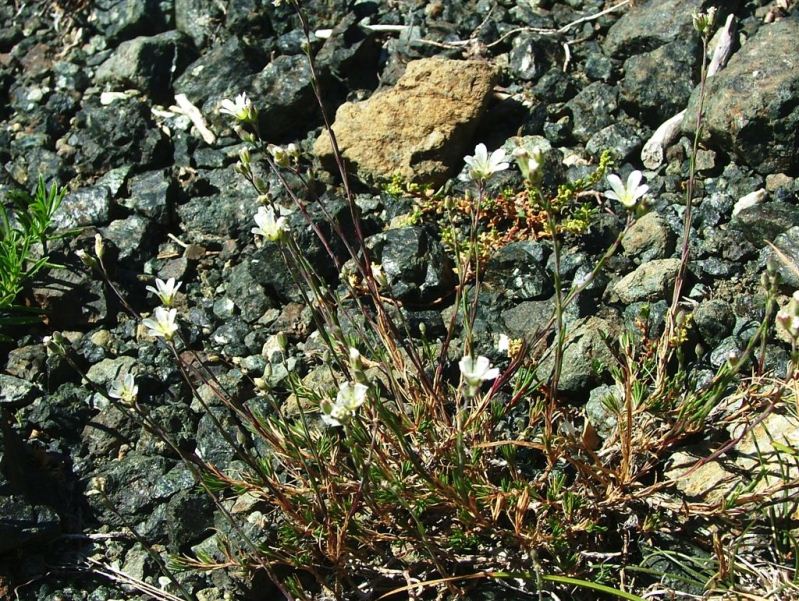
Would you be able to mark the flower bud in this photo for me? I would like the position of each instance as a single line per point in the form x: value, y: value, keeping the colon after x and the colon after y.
x: 99, y: 246
x: 86, y: 259
x: 244, y: 157
x: 282, y: 341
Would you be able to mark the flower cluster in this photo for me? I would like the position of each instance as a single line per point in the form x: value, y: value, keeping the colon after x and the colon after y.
x: 529, y: 163
x: 703, y: 21
x: 627, y: 194
x: 788, y: 317
x: 270, y: 227
x: 475, y: 371
x: 351, y: 395
x: 483, y: 165
x: 284, y: 156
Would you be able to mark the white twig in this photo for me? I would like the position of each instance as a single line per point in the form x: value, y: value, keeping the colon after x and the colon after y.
x: 196, y: 117
x: 654, y: 149
x: 723, y: 48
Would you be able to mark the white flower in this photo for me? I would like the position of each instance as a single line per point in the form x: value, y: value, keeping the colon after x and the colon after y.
x: 242, y: 109
x: 475, y: 371
x: 269, y: 227
x: 529, y: 162
x: 163, y: 326
x: 482, y: 165
x: 350, y: 396
x: 628, y: 194
x: 503, y: 346
x: 379, y: 275
x: 165, y: 290
x: 125, y: 389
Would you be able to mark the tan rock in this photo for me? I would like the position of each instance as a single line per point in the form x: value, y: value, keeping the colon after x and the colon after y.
x: 420, y: 129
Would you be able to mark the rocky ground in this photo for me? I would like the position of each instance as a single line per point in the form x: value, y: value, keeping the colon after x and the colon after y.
x: 95, y: 97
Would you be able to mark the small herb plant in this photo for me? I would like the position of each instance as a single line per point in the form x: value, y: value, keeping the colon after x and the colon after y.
x: 25, y: 223
x: 402, y: 474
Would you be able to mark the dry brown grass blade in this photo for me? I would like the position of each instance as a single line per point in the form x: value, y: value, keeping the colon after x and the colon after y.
x: 784, y: 258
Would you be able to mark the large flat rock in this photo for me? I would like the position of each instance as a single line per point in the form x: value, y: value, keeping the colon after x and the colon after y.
x: 420, y: 129
x: 752, y: 105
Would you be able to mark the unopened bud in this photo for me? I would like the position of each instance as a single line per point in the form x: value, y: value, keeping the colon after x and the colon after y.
x: 244, y: 157
x: 99, y: 246
x: 772, y: 265
x: 86, y: 259
x: 282, y: 341
x: 261, y: 185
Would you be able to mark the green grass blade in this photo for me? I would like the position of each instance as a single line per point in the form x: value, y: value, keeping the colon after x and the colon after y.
x: 594, y: 586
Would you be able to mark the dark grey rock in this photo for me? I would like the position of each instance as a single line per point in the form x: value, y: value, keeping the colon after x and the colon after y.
x: 415, y: 265
x: 593, y: 108
x: 429, y: 319
x: 350, y: 55
x: 26, y: 168
x: 788, y: 243
x: 222, y: 72
x: 650, y: 25
x: 714, y: 209
x: 518, y: 271
x: 533, y: 55
x: 122, y: 132
x: 16, y: 392
x: 135, y: 238
x: 623, y: 139
x: 736, y: 180
x: 586, y: 346
x: 152, y: 194
x: 87, y: 206
x: 107, y: 431
x: 657, y: 84
x: 284, y: 96
x: 123, y: 19
x: 248, y: 295
x: 222, y: 206
x: 198, y: 19
x: 209, y: 158
x: 765, y: 222
x: 189, y: 516
x: 555, y: 86
x: 24, y: 519
x: 528, y: 319
x: 716, y: 268
x: 70, y: 77
x: 714, y: 321
x: 248, y: 17
x: 752, y: 105
x: 149, y: 64
x: 136, y: 484
x: 599, y: 67
x: 22, y: 523
x: 114, y: 179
